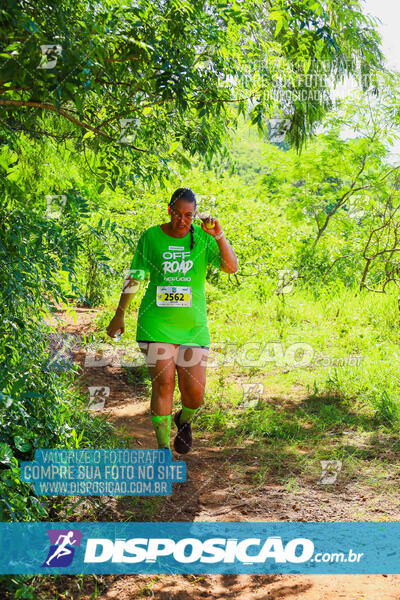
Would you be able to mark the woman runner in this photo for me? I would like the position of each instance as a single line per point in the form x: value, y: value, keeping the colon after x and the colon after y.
x: 172, y: 330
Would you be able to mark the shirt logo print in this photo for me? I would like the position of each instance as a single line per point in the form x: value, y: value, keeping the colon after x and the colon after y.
x: 176, y: 262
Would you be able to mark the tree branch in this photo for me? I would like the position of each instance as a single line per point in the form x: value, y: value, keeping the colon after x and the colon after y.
x: 48, y: 106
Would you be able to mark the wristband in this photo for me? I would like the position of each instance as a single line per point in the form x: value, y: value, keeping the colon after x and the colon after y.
x: 219, y: 236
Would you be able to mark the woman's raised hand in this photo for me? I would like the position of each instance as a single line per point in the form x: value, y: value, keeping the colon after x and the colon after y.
x: 210, y: 225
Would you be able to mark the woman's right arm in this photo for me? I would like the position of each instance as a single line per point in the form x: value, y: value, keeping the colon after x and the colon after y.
x: 131, y: 287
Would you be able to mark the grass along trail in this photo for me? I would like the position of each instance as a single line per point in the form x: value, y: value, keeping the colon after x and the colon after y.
x: 224, y: 484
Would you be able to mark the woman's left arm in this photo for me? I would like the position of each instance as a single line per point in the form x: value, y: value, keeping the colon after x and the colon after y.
x: 229, y: 261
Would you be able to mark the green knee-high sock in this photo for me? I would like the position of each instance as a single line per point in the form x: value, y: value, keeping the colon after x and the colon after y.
x: 187, y: 414
x: 162, y: 428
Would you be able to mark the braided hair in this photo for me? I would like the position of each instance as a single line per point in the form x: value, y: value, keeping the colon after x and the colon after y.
x: 188, y: 195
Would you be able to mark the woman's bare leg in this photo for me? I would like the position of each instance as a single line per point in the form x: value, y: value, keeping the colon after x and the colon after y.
x: 160, y: 360
x: 191, y: 367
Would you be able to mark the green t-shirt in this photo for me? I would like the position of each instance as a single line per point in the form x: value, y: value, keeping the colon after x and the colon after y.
x: 173, y: 308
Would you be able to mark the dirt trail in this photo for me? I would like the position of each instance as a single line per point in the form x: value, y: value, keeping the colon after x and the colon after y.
x: 216, y: 491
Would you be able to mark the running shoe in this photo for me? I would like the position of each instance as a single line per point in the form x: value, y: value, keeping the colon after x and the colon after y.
x: 183, y: 439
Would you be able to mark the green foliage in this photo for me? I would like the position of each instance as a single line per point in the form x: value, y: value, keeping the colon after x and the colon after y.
x: 183, y: 75
x: 387, y: 410
x: 172, y: 78
x: 37, y: 405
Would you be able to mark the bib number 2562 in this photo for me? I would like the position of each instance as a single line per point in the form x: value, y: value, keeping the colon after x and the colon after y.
x: 169, y: 295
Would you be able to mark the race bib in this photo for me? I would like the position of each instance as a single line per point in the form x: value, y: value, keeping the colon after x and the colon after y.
x: 169, y: 295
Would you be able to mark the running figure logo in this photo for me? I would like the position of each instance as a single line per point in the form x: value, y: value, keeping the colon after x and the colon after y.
x: 61, y: 551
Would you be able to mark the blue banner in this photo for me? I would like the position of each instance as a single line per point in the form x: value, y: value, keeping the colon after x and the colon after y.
x: 200, y: 548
